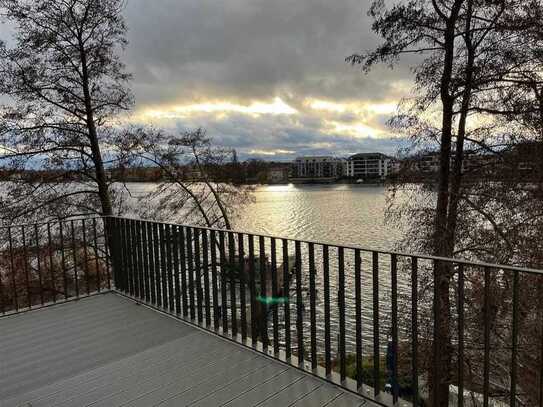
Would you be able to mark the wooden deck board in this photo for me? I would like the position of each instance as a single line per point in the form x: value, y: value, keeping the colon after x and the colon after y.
x: 108, y: 351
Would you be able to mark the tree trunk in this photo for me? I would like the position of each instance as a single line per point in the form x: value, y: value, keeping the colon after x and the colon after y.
x: 442, y: 352
x: 103, y: 189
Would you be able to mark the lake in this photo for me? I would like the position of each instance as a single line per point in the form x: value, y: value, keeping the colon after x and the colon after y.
x: 341, y: 214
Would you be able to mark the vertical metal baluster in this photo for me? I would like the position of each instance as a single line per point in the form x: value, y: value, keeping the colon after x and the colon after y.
x: 358, y: 316
x: 224, y: 275
x: 263, y: 322
x: 214, y: 284
x: 96, y: 255
x: 376, y: 355
x: 205, y: 270
x: 299, y: 303
x: 313, y: 311
x: 157, y: 264
x: 176, y: 280
x: 163, y: 266
x: 38, y: 257
x: 394, y: 283
x: 25, y: 268
x: 132, y: 255
x: 152, y: 261
x: 286, y: 295
x: 252, y: 285
x: 327, y: 339
x: 232, y: 267
x: 341, y: 304
x: 156, y: 249
x: 111, y: 230
x: 85, y: 256
x: 198, y: 275
x: 414, y: 329
x: 486, y: 363
x: 242, y: 298
x: 169, y: 268
x: 183, y: 259
x: 461, y: 285
x: 51, y: 263
x: 119, y: 267
x: 161, y: 275
x: 129, y: 258
x: 136, y: 260
x: 112, y: 239
x: 142, y: 272
x: 110, y: 245
x: 12, y: 270
x: 63, y: 261
x: 117, y: 254
x: 275, y: 296
x: 433, y: 387
x: 190, y: 270
x: 126, y: 255
x: 74, y: 257
x: 514, y: 351
x: 145, y: 254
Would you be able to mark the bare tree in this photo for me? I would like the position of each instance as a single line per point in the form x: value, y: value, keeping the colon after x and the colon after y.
x: 65, y: 84
x: 460, y: 74
x: 196, y: 186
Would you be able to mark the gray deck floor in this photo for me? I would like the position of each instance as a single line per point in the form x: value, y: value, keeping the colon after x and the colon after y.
x: 108, y: 351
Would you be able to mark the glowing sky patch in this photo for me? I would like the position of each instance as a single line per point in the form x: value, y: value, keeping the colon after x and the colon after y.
x: 276, y: 107
x: 352, y: 107
x: 357, y: 130
x: 271, y: 153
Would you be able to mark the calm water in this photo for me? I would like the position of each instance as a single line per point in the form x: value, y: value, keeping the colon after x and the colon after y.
x: 341, y: 214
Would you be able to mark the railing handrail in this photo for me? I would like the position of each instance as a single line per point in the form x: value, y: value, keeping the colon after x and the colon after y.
x: 54, y: 221
x: 494, y: 266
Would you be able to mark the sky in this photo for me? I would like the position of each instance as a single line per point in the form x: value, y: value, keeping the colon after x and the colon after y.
x: 266, y: 77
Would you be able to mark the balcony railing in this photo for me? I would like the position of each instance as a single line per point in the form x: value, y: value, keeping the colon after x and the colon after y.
x: 45, y: 263
x: 361, y: 318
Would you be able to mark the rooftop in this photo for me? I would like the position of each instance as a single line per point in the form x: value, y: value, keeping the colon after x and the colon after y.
x: 106, y: 350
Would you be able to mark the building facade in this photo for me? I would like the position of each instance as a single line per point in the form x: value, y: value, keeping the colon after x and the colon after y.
x: 369, y: 165
x: 319, y: 167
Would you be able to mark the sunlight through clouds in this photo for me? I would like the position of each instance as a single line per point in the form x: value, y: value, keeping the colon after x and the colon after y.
x: 352, y: 107
x: 277, y: 107
x: 271, y: 153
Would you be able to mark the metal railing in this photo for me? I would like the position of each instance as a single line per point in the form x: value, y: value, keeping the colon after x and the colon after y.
x: 361, y: 318
x: 46, y: 263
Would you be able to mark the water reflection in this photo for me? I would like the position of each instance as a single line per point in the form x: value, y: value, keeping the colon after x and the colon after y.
x: 343, y: 214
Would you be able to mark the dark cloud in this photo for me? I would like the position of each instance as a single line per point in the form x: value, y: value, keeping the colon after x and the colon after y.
x: 241, y: 51
x: 251, y: 49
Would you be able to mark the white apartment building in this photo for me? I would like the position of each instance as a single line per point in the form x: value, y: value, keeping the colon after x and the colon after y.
x: 319, y: 167
x: 369, y: 165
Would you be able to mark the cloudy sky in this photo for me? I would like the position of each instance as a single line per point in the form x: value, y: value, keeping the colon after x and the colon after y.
x: 266, y: 77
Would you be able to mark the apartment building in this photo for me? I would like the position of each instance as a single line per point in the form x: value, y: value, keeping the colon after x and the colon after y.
x: 319, y: 167
x: 369, y: 165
